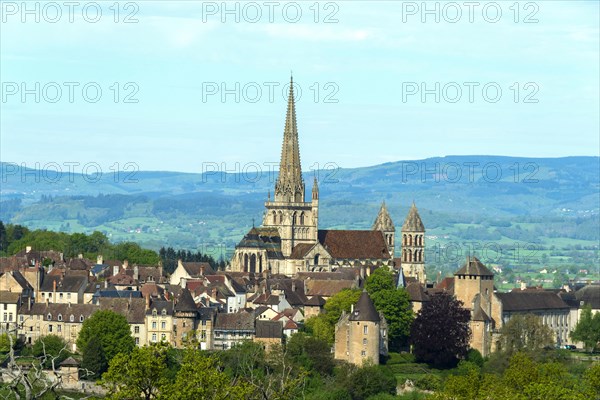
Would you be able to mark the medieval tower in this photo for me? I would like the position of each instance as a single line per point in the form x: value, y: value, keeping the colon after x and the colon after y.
x: 359, y: 336
x: 384, y: 223
x: 413, y: 246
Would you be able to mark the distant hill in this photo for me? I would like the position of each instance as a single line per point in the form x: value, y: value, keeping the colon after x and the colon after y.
x: 548, y: 201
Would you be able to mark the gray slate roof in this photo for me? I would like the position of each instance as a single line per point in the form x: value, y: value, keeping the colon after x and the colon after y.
x: 474, y: 267
x: 531, y: 300
x: 364, y: 310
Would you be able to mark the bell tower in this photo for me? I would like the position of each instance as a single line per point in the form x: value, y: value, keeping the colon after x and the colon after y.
x: 384, y: 223
x: 413, y: 246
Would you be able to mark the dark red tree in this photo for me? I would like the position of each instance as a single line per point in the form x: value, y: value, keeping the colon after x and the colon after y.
x: 440, y: 334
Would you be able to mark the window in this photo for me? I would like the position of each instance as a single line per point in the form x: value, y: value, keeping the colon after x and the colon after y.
x: 59, y: 328
x: 49, y: 317
x: 163, y: 336
x: 49, y: 328
x: 60, y: 296
x: 154, y: 337
x: 72, y: 318
x: 10, y: 317
x: 154, y: 325
x: 81, y: 318
x: 203, y: 323
x: 364, y: 342
x: 365, y: 329
x: 4, y: 317
x: 137, y: 341
x: 136, y: 329
x: 163, y: 325
x: 163, y: 313
x: 5, y: 306
x: 68, y: 295
x: 60, y: 317
x: 21, y: 318
x: 154, y: 313
x: 203, y: 335
x: 363, y: 353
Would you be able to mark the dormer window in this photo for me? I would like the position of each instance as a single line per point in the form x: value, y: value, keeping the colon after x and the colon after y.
x: 60, y: 317
x: 72, y: 318
x: 163, y: 313
x: 154, y: 313
x: 81, y: 318
x: 49, y: 317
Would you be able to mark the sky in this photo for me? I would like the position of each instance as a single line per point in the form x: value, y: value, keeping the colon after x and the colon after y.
x: 179, y: 86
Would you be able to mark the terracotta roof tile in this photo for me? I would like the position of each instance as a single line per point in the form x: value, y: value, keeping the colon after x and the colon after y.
x: 354, y: 244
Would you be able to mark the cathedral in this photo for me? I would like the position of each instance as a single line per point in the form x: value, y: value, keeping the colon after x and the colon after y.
x: 290, y: 241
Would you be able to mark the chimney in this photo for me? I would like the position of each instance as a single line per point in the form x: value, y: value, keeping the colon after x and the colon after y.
x: 27, y: 249
x: 293, y: 285
x: 80, y: 256
x: 147, y: 301
x: 136, y: 273
x: 99, y: 259
x: 351, y: 308
x: 105, y: 284
x: 523, y: 285
x: 115, y: 270
x: 125, y: 264
x: 54, y: 290
x: 183, y: 282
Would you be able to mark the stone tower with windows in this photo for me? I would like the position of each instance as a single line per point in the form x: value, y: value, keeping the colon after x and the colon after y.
x: 294, y: 218
x: 384, y: 223
x: 361, y: 335
x: 413, y: 246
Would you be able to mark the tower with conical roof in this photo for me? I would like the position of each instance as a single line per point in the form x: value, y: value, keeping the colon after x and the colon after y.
x: 361, y: 335
x: 384, y: 223
x: 294, y: 218
x: 413, y: 246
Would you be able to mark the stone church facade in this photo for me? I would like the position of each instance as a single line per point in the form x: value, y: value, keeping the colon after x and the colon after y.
x: 289, y: 239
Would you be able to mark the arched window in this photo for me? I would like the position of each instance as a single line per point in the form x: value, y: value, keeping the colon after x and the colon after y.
x: 274, y: 217
x: 81, y: 318
x: 280, y: 217
x: 60, y: 317
x: 410, y: 256
x: 163, y: 312
x: 72, y: 318
x: 316, y: 259
x: 302, y: 218
x: 294, y: 219
x: 410, y: 240
x: 49, y: 316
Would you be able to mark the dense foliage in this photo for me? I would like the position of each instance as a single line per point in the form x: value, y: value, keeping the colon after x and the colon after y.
x: 93, y: 359
x: 111, y: 329
x: 440, y: 334
x: 322, y: 326
x: 50, y: 349
x: 524, y: 379
x: 525, y: 332
x: 394, y: 303
x: 587, y: 329
x: 169, y: 257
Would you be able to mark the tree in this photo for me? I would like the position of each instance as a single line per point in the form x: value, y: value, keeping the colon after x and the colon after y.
x: 200, y: 378
x: 587, y: 329
x: 94, y: 359
x: 3, y: 238
x: 111, y: 329
x: 322, y: 326
x: 525, y: 333
x: 142, y: 372
x: 310, y: 353
x: 440, y: 334
x: 380, y: 279
x: 366, y: 381
x: 393, y: 303
x: 52, y: 348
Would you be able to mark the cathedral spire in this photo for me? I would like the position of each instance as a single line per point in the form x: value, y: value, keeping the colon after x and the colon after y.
x: 290, y: 185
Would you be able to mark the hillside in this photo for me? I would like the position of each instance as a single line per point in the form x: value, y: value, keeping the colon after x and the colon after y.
x: 518, y: 211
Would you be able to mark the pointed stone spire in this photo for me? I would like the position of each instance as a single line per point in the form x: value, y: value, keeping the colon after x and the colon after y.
x: 315, y: 189
x: 383, y: 222
x: 290, y: 185
x: 413, y: 221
